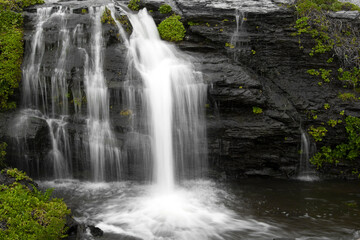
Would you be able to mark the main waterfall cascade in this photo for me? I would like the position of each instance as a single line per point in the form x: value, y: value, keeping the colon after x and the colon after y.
x: 175, y: 100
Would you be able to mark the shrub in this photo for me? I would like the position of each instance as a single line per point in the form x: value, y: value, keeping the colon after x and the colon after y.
x: 344, y: 151
x: 30, y: 215
x: 134, y: 5
x: 165, y: 9
x: 171, y: 29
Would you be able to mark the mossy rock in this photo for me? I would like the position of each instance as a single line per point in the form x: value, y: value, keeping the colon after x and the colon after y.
x: 171, y: 29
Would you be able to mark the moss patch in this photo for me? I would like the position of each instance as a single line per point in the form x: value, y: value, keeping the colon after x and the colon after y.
x: 171, y: 29
x: 30, y: 214
x: 11, y: 48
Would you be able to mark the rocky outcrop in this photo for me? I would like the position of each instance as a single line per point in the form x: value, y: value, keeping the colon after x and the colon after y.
x: 249, y: 60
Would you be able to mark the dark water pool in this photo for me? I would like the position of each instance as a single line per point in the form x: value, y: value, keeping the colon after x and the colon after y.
x: 249, y: 209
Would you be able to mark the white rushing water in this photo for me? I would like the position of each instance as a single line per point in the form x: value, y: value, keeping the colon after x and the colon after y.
x: 47, y: 100
x: 105, y: 156
x: 194, y: 211
x: 306, y: 172
x: 174, y: 100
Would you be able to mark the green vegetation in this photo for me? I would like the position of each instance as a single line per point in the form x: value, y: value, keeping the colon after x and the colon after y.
x: 134, y: 5
x: 126, y: 112
x: 106, y: 17
x: 84, y: 11
x: 30, y: 215
x: 11, y: 48
x: 347, y: 96
x: 229, y: 45
x: 326, y: 106
x: 124, y: 20
x: 344, y: 151
x: 317, y: 133
x: 3, y: 146
x: 350, y: 78
x: 323, y: 73
x: 331, y: 35
x: 333, y: 122
x: 171, y: 29
x: 190, y: 23
x: 257, y: 110
x: 312, y: 114
x: 165, y: 9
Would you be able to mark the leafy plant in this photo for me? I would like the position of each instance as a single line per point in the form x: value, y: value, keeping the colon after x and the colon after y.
x: 344, y: 151
x: 333, y: 122
x: 31, y: 215
x: 165, y: 8
x: 171, y: 29
x: 326, y: 106
x: 351, y: 77
x: 257, y: 110
x: 17, y: 174
x: 134, y: 5
x: 317, y: 133
x: 347, y: 96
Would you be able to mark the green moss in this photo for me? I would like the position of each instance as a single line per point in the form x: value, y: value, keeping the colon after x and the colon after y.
x: 3, y: 146
x: 229, y: 45
x: 106, y: 17
x: 11, y: 48
x: 134, y: 5
x: 191, y: 23
x: 165, y: 9
x: 31, y: 215
x: 257, y: 110
x: 171, y: 29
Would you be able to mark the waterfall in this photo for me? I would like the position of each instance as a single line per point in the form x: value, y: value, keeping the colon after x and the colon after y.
x: 240, y: 37
x: 47, y: 98
x: 174, y: 97
x: 104, y: 153
x: 163, y: 97
x: 306, y: 173
x: 38, y: 103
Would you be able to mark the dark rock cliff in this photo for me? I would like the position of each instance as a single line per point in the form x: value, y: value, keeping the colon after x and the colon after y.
x: 260, y: 65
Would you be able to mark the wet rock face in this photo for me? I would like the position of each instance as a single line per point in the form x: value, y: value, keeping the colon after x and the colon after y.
x: 260, y: 65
